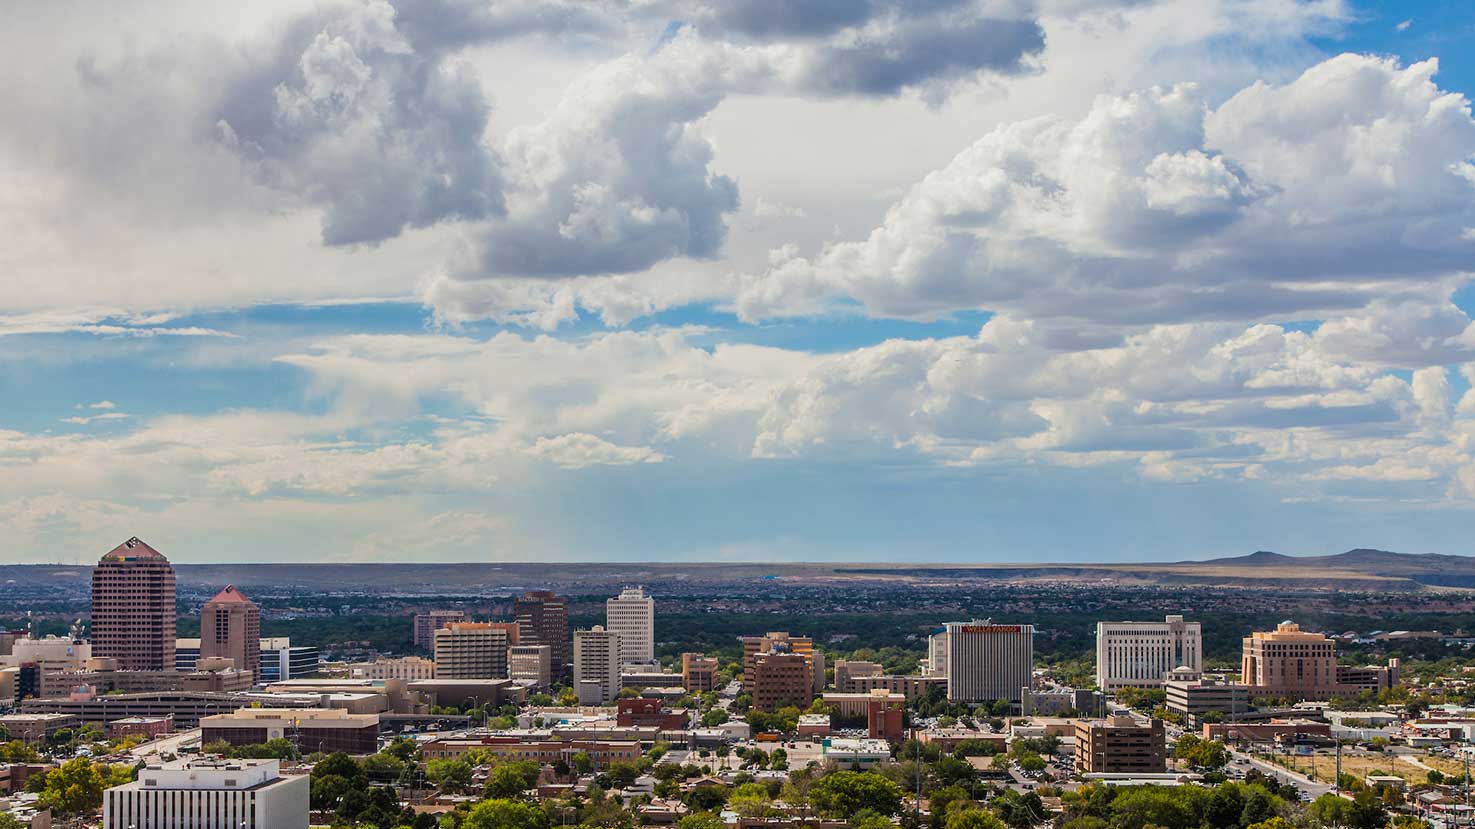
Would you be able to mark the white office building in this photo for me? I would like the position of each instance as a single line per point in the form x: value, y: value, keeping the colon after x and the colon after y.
x: 632, y: 615
x: 1142, y: 654
x: 208, y: 794
x: 987, y: 662
x: 936, y: 664
x: 596, y: 665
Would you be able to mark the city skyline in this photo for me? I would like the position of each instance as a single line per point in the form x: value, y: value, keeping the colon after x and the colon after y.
x: 538, y: 281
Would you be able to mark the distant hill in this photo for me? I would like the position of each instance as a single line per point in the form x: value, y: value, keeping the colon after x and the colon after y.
x: 1424, y: 568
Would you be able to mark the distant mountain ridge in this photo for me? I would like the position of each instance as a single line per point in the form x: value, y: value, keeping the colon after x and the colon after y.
x: 1426, y: 568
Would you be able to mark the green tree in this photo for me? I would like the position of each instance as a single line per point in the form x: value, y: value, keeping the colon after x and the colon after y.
x: 500, y: 813
x: 844, y: 793
x: 74, y: 787
x: 973, y: 819
x: 507, y: 780
x: 701, y: 820
x: 1276, y: 822
x: 450, y: 775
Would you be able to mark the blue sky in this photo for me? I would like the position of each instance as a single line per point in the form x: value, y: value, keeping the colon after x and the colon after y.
x: 1134, y: 282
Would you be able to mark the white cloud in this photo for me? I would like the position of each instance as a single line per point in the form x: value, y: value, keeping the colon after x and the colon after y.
x: 1323, y: 193
x: 579, y: 450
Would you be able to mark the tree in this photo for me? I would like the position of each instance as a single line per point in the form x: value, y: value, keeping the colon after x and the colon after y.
x: 705, y: 798
x: 74, y: 787
x: 8, y: 822
x: 508, y: 780
x: 844, y: 793
x: 976, y: 748
x: 750, y: 800
x: 582, y: 763
x: 701, y: 820
x: 16, y: 751
x: 500, y: 813
x: 1276, y: 822
x: 973, y: 819
x: 451, y: 775
x: 1032, y: 763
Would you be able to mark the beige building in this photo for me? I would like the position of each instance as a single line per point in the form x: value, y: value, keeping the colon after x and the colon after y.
x: 783, y: 642
x: 404, y: 667
x: 846, y: 669
x: 1119, y: 745
x: 133, y: 609
x: 632, y: 615
x: 698, y: 672
x: 209, y: 794
x: 1141, y: 654
x: 531, y: 663
x: 312, y: 730
x: 781, y: 678
x: 596, y: 665
x: 230, y: 628
x: 1290, y: 662
x: 474, y: 650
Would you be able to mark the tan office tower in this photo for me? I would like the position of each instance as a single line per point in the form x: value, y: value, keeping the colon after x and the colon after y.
x: 596, y: 666
x: 1289, y: 662
x: 542, y: 619
x: 632, y: 615
x: 533, y: 663
x: 230, y: 627
x: 781, y: 678
x: 782, y: 641
x: 133, y: 608
x: 698, y: 672
x: 474, y: 650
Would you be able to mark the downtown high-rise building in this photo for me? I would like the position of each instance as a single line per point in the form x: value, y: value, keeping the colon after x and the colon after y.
x: 632, y: 615
x: 988, y: 662
x: 474, y: 650
x: 542, y: 619
x: 230, y: 627
x: 133, y: 609
x: 1142, y: 654
x: 596, y: 666
x: 427, y: 623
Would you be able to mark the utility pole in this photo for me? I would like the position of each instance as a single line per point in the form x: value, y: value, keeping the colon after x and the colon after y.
x: 1337, y: 782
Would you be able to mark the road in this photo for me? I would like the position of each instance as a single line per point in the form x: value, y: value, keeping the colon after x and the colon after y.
x: 1311, y: 787
x: 165, y: 745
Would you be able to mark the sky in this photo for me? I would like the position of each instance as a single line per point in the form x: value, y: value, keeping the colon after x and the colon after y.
x: 750, y: 280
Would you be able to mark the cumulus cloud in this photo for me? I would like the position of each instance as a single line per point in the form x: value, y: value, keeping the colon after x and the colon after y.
x: 1302, y: 198
x: 380, y: 132
x: 880, y: 47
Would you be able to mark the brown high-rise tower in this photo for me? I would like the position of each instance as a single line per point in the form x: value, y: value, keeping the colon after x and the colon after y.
x: 133, y: 608
x: 542, y: 619
x: 230, y: 626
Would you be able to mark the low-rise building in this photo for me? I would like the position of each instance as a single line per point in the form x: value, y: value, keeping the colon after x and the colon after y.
x: 310, y: 729
x: 36, y: 728
x: 543, y: 751
x: 208, y: 794
x: 1198, y: 700
x: 1119, y: 745
x: 1267, y: 732
x: 855, y: 753
x: 813, y: 725
x: 145, y: 727
x: 404, y: 667
x: 698, y: 672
